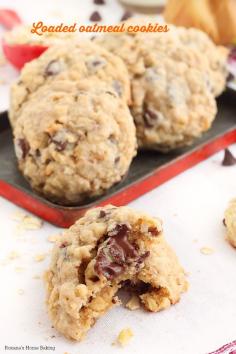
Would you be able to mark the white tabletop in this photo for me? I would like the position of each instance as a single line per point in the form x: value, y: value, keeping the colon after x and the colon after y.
x: 191, y: 206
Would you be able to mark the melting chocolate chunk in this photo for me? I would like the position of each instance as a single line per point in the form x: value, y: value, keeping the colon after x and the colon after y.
x: 117, y: 253
x: 22, y: 147
x: 126, y: 15
x: 150, y: 117
x: 95, y: 17
x: 53, y: 68
x: 153, y: 230
x: 99, y: 2
x: 229, y: 159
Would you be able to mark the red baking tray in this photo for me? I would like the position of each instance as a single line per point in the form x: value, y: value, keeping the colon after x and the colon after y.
x: 148, y: 170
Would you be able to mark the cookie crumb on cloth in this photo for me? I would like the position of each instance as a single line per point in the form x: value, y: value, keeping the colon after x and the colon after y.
x: 206, y: 250
x: 27, y: 222
x: 124, y: 336
x: 40, y: 257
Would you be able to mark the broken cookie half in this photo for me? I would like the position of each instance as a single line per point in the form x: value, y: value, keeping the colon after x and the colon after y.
x: 108, y: 249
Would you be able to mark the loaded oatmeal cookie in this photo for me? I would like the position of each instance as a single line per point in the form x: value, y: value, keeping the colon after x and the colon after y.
x: 230, y: 222
x: 172, y: 87
x: 210, y: 59
x: 74, y: 140
x: 108, y: 249
x: 72, y: 61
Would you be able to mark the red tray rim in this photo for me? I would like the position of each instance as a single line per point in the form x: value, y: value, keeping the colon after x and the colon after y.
x: 66, y: 216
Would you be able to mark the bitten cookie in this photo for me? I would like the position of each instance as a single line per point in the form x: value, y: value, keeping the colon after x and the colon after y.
x: 230, y: 222
x: 110, y: 248
x: 74, y: 140
x: 72, y: 61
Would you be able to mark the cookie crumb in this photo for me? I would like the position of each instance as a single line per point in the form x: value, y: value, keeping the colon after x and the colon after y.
x: 133, y: 303
x: 124, y: 336
x: 40, y: 257
x: 27, y: 222
x: 36, y: 277
x: 19, y: 269
x: 52, y: 238
x: 20, y: 292
x: 206, y: 250
x: 13, y: 255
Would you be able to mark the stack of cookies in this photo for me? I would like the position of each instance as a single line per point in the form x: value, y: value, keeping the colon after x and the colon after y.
x: 74, y: 109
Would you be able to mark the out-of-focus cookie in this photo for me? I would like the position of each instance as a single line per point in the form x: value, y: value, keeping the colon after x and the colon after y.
x: 230, y: 222
x: 74, y: 140
x: 108, y: 249
x: 172, y: 87
x: 72, y: 61
x: 216, y: 56
x: 172, y: 104
x: 211, y: 59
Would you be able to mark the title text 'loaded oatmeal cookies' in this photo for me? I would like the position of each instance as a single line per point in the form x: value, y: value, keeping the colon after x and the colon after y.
x: 230, y: 222
x: 71, y: 61
x: 74, y: 140
x: 108, y: 249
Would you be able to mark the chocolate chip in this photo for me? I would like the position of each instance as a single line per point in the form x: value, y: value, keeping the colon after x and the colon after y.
x: 112, y: 139
x: 53, y: 68
x: 60, y: 145
x: 229, y: 159
x: 117, y: 87
x: 95, y: 17
x: 150, y: 117
x: 230, y: 77
x: 102, y: 214
x: 63, y: 245
x: 117, y: 160
x: 37, y: 153
x: 224, y: 223
x: 153, y: 230
x: 142, y: 288
x: 94, y: 279
x: 119, y: 230
x: 95, y: 64
x: 138, y: 288
x: 22, y: 148
x: 126, y: 15
x: 99, y: 2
